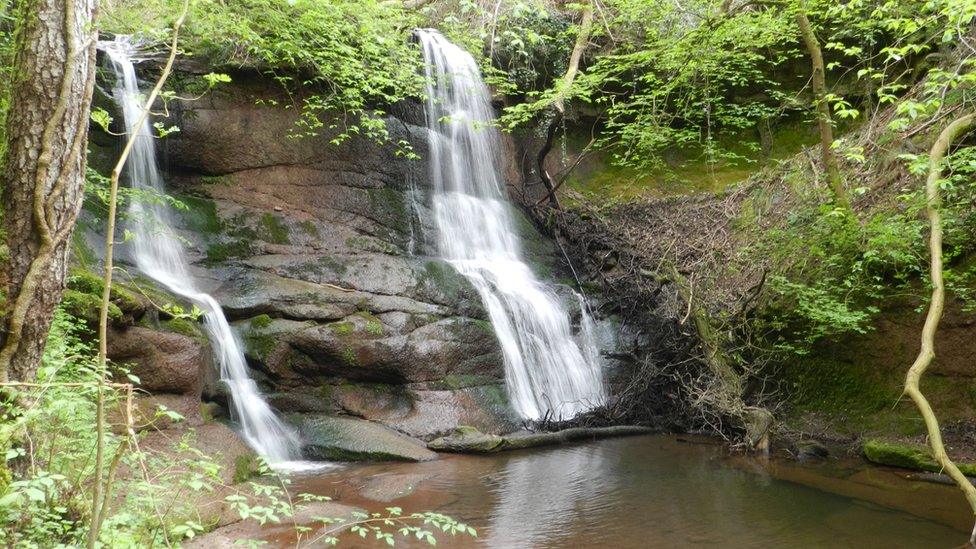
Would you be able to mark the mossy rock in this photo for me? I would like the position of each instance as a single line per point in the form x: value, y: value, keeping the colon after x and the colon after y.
x: 342, y: 328
x: 86, y: 307
x: 210, y: 411
x: 833, y: 387
x: 84, y: 281
x: 273, y: 230
x: 908, y: 457
x: 222, y: 251
x: 201, y: 215
x: 261, y: 321
x: 183, y: 326
x: 373, y: 326
x: 390, y: 206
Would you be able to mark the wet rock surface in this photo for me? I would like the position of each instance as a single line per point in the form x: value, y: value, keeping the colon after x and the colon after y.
x: 323, y: 256
x: 330, y: 438
x: 164, y: 362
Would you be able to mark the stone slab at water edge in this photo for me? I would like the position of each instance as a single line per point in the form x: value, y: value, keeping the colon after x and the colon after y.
x: 331, y: 438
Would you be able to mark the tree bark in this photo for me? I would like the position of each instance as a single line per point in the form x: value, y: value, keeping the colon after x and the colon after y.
x: 927, y: 352
x: 824, y: 121
x: 43, y: 171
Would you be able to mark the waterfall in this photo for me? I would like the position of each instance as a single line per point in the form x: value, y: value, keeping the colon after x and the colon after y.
x: 546, y: 371
x: 158, y: 253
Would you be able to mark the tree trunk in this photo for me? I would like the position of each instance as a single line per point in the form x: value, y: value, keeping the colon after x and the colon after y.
x: 44, y: 170
x: 824, y: 121
x: 927, y: 351
x: 559, y: 101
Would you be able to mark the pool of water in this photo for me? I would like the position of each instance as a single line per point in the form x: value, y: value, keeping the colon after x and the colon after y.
x: 651, y: 491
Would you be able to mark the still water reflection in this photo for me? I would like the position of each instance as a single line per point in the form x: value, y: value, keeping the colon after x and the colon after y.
x: 650, y: 491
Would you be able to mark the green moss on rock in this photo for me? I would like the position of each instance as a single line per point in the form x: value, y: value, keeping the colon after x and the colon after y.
x: 183, y: 326
x: 374, y: 327
x: 349, y: 357
x: 201, y: 215
x: 907, y: 457
x: 86, y: 306
x: 222, y: 251
x: 273, y: 230
x: 342, y: 328
x: 838, y: 388
x: 86, y: 282
x: 391, y: 205
x: 309, y: 229
x: 484, y: 326
x: 210, y: 411
x: 261, y: 321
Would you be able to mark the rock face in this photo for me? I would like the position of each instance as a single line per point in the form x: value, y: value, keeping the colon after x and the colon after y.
x: 329, y: 438
x: 322, y: 255
x: 164, y: 362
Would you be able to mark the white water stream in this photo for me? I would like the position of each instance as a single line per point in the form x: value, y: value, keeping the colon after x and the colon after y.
x: 548, y: 371
x: 158, y: 253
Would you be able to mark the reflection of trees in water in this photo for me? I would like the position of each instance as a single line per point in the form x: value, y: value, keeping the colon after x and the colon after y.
x: 636, y: 493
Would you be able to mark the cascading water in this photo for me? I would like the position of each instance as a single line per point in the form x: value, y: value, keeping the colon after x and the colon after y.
x: 547, y: 372
x: 158, y: 253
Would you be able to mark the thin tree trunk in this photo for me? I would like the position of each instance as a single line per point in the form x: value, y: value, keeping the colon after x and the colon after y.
x: 934, y: 315
x: 824, y: 122
x: 98, y: 499
x: 43, y: 171
x: 559, y: 101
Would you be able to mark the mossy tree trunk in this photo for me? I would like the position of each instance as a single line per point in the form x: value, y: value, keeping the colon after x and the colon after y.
x: 43, y: 170
x: 824, y: 120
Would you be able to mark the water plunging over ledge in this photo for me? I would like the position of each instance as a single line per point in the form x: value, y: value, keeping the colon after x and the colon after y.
x: 547, y: 371
x: 158, y: 253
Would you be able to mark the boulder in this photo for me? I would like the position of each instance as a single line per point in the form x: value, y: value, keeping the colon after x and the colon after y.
x: 164, y: 362
x: 330, y: 438
x: 467, y: 440
x: 811, y: 450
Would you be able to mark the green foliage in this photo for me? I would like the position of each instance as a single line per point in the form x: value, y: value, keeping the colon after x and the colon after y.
x: 527, y: 43
x: 45, y: 500
x: 48, y: 466
x: 349, y: 58
x: 832, y: 271
x: 97, y: 196
x: 687, y: 83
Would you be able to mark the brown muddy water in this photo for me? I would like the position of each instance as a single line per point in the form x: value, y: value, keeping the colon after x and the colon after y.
x: 652, y: 491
